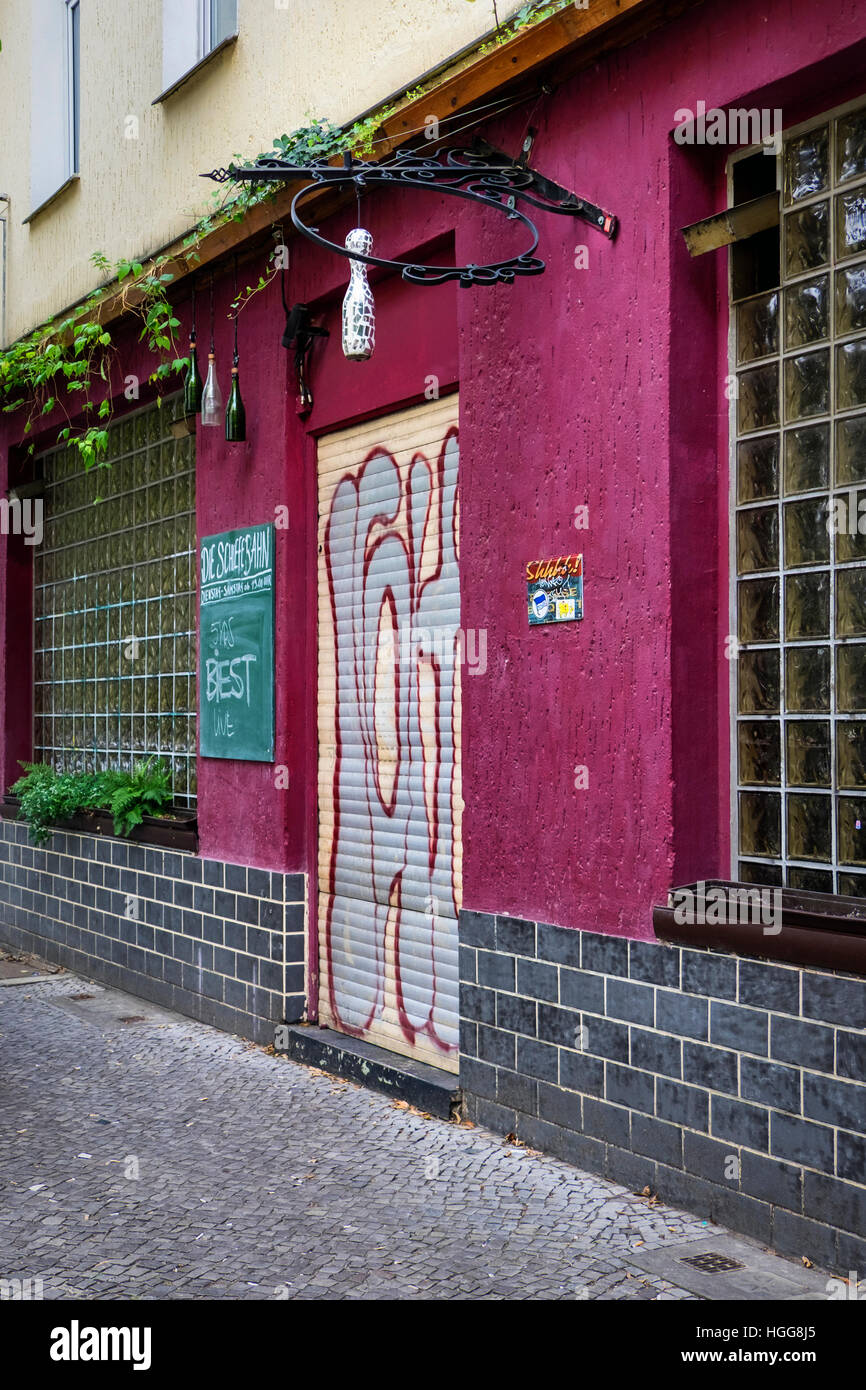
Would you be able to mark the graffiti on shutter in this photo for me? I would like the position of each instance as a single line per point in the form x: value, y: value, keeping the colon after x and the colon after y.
x: 389, y: 732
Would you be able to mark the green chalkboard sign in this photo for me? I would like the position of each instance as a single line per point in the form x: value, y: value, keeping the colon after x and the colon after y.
x: 236, y: 629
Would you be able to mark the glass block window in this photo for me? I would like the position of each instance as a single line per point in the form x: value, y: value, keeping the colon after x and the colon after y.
x: 799, y: 538
x: 114, y: 604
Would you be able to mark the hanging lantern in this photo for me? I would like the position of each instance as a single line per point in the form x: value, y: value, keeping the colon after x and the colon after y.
x: 211, y: 401
x: 359, y: 311
x: 192, y: 386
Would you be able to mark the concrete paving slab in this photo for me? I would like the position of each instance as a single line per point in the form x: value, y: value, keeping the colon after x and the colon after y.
x: 758, y: 1273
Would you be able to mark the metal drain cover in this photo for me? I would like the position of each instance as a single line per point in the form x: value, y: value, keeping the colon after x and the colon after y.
x: 711, y: 1263
x: 723, y: 1267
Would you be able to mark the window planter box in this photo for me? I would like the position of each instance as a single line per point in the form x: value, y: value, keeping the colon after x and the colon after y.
x: 178, y: 830
x: 817, y: 929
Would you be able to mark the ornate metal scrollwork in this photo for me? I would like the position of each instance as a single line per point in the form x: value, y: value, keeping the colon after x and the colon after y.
x: 481, y: 175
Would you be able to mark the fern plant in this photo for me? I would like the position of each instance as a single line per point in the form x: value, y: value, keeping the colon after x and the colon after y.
x: 146, y: 791
x: 48, y: 796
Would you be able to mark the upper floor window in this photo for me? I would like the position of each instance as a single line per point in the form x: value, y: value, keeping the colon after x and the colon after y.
x: 191, y: 30
x: 55, y: 97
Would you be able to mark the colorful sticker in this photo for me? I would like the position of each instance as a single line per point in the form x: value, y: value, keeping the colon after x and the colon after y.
x: 554, y: 590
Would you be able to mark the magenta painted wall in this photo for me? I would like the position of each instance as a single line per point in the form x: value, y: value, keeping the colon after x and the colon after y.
x: 604, y: 387
x: 599, y: 387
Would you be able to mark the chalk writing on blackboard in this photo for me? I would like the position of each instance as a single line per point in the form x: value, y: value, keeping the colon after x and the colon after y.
x: 236, y: 628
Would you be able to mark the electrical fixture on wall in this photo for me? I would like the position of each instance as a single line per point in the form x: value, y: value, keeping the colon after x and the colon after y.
x: 211, y: 401
x: 301, y: 333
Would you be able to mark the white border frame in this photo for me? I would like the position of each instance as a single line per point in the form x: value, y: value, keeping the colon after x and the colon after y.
x: 72, y: 7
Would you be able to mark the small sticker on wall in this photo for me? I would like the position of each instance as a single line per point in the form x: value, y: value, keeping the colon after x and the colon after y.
x: 540, y: 606
x: 554, y: 590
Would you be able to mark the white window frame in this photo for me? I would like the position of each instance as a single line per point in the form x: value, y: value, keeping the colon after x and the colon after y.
x: 73, y: 84
x: 189, y: 40
x: 55, y: 99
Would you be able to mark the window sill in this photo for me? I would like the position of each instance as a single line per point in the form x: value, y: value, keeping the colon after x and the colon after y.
x: 178, y: 831
x: 196, y: 68
x: 814, y: 929
x: 52, y: 198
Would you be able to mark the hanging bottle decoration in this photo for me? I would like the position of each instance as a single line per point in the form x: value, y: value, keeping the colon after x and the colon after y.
x: 192, y: 386
x: 211, y: 401
x: 359, y: 311
x: 236, y: 418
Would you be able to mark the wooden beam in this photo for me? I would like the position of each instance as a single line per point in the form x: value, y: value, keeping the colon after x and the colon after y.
x: 523, y: 56
x: 734, y: 224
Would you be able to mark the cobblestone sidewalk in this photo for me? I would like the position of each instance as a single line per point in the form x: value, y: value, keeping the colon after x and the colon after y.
x: 146, y: 1156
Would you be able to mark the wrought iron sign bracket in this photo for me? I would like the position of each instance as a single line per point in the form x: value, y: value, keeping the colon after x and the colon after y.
x: 552, y: 196
x: 482, y: 175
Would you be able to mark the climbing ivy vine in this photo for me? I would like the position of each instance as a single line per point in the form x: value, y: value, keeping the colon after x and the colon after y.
x: 71, y: 363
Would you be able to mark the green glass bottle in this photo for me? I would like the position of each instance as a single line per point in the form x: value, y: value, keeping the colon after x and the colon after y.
x: 236, y: 416
x: 192, y: 387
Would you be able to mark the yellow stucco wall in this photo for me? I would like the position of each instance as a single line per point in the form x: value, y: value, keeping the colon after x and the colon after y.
x: 309, y: 59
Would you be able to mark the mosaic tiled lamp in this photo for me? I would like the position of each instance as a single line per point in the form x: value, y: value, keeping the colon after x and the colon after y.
x: 359, y: 311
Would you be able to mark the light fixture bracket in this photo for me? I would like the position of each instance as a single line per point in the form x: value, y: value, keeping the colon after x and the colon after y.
x: 300, y: 334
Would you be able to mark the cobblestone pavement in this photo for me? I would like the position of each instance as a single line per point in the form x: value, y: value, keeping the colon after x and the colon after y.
x: 258, y: 1178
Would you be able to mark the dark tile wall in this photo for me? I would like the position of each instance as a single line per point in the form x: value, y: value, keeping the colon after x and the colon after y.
x: 732, y: 1087
x: 222, y: 943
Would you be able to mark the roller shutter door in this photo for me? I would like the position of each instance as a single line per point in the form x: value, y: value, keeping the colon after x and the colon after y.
x: 389, y: 862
